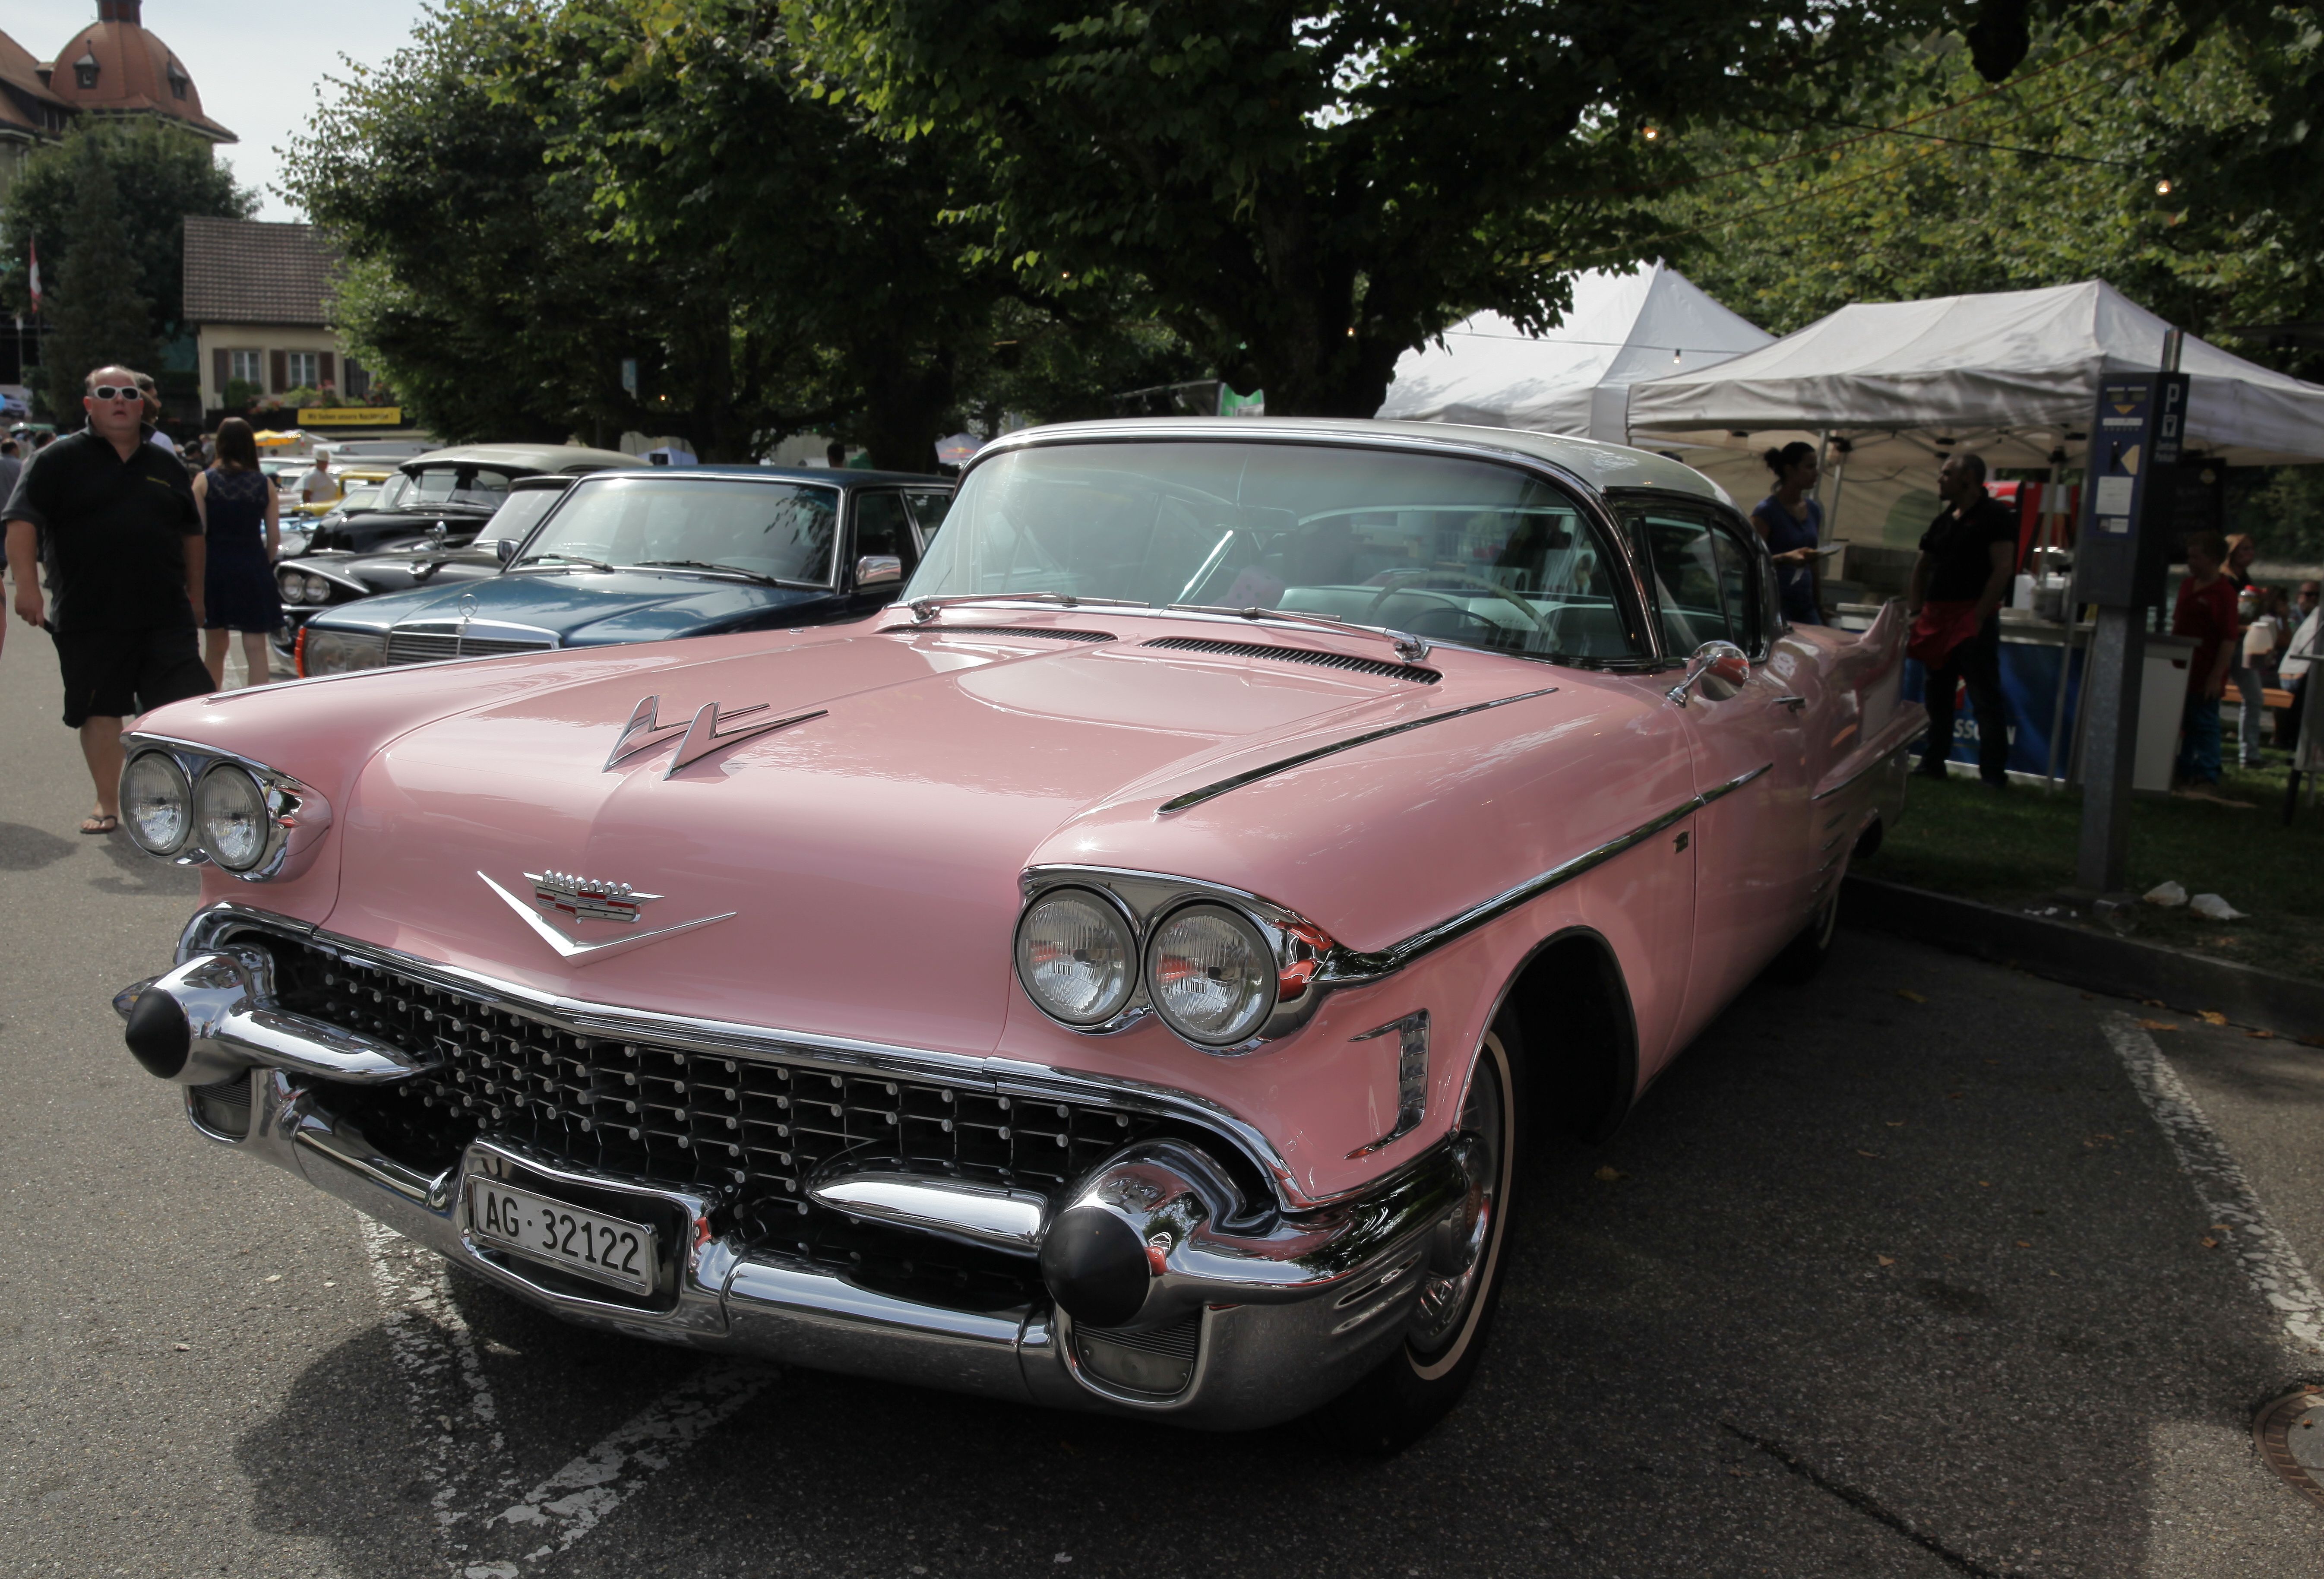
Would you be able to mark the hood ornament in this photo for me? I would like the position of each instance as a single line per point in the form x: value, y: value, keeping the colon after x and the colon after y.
x: 602, y: 896
x: 645, y: 731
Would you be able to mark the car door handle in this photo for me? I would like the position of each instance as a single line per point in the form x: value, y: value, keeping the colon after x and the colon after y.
x: 1795, y: 704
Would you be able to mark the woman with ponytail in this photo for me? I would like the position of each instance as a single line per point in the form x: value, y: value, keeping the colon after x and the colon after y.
x: 1791, y: 523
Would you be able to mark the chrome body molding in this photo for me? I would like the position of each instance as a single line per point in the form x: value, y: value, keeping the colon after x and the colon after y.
x: 1212, y: 791
x: 1918, y: 727
x: 215, y: 926
x: 1347, y: 968
x: 1276, y: 1337
x: 1411, y: 1033
x: 298, y: 815
x: 581, y: 954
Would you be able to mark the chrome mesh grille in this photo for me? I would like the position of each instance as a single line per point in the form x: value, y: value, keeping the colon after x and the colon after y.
x: 1427, y: 677
x: 428, y: 646
x: 751, y: 1129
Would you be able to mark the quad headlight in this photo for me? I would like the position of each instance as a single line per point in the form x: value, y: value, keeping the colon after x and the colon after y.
x: 1076, y: 957
x: 1097, y: 950
x: 301, y: 587
x: 191, y: 804
x: 230, y: 809
x: 157, y: 804
x: 1210, y: 974
x: 330, y: 652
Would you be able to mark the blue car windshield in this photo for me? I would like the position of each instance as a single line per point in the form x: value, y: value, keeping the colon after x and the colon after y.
x: 1449, y: 548
x: 780, y: 531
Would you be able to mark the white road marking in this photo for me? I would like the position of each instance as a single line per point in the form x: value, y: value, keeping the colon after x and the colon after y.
x: 437, y: 1354
x: 2266, y: 1257
x: 467, y: 1465
x: 571, y: 1502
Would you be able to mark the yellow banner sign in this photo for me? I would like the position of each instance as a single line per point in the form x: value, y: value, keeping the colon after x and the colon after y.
x: 350, y: 416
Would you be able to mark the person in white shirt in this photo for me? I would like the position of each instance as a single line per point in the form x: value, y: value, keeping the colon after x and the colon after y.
x: 2257, y: 669
x: 2306, y: 646
x: 319, y: 486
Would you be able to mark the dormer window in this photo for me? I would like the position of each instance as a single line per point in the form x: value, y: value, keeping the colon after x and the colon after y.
x: 178, y: 80
x: 84, y: 69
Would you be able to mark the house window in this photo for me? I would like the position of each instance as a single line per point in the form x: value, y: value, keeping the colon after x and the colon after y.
x: 84, y: 71
x: 243, y: 366
x: 177, y: 79
x: 354, y: 380
x: 304, y: 369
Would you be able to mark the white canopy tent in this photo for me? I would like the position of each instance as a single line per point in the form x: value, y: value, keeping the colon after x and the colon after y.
x: 2009, y: 374
x: 1575, y: 378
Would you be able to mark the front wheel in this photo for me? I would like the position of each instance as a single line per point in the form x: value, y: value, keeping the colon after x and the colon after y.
x: 1803, y: 956
x: 1460, y: 1270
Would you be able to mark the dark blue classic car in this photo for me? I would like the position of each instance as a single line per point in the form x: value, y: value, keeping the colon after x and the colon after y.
x: 645, y: 556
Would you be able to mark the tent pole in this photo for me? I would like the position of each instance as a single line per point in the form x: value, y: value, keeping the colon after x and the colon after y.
x: 1823, y: 454
x: 2052, y: 528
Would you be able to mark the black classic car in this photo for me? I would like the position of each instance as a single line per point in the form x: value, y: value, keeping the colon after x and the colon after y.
x: 456, y: 489
x: 640, y: 556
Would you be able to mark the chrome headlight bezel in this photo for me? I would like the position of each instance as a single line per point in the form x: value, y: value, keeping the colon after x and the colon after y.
x: 1112, y: 910
x: 1303, y: 953
x: 297, y: 817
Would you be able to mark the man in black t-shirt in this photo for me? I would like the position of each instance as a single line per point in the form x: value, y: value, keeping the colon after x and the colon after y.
x: 114, y: 521
x: 1968, y: 557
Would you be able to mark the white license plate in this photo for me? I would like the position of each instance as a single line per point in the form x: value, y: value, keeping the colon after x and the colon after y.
x: 593, y: 1246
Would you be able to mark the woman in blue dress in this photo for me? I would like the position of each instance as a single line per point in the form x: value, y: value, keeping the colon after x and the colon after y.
x: 240, y: 525
x: 1791, y: 523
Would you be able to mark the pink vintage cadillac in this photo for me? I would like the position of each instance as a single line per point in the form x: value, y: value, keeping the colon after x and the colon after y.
x: 1125, y: 973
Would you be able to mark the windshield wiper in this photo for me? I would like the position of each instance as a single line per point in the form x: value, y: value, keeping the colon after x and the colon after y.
x: 570, y: 558
x: 924, y: 609
x: 703, y: 565
x: 1411, y: 649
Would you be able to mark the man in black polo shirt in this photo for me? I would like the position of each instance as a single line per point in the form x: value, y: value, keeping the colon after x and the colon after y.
x: 113, y: 518
x: 1968, y: 557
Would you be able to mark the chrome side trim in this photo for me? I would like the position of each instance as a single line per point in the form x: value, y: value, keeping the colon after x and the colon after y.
x: 213, y: 925
x: 1348, y: 968
x: 1919, y: 726
x: 1212, y: 791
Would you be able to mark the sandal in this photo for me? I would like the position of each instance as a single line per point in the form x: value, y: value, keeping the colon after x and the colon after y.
x: 100, y: 822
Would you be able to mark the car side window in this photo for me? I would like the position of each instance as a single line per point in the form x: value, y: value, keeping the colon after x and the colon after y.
x: 928, y: 509
x: 881, y: 527
x: 1705, y: 580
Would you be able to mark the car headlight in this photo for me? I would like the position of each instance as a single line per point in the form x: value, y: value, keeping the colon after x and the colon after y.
x: 230, y: 809
x: 157, y: 803
x: 1210, y: 975
x: 343, y: 652
x: 1076, y: 957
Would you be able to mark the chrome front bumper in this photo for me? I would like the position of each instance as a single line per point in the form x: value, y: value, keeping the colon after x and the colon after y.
x: 1281, y: 1320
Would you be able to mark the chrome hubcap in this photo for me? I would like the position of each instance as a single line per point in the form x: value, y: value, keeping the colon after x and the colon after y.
x: 1453, y: 1261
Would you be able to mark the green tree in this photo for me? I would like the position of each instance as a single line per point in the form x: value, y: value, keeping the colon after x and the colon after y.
x: 1310, y: 193
x: 160, y: 176
x: 96, y: 315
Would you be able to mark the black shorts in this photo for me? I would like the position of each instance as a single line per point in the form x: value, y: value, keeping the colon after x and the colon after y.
x: 116, y: 674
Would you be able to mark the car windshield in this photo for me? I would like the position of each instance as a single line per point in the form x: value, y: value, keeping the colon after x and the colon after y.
x: 475, y: 486
x: 783, y: 532
x: 1454, y: 550
x: 519, y: 515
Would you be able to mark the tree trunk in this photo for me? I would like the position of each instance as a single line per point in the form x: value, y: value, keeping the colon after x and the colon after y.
x: 905, y: 402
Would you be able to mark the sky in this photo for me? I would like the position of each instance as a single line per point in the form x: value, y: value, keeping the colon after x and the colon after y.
x: 258, y: 71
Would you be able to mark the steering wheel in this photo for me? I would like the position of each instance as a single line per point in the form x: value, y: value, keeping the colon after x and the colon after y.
x: 1532, y: 615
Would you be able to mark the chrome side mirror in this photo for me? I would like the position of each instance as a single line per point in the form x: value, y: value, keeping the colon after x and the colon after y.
x: 505, y: 549
x: 878, y: 570
x: 1721, y: 666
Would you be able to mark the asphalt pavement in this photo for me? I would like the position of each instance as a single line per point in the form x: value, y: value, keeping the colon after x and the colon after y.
x: 1928, y: 1268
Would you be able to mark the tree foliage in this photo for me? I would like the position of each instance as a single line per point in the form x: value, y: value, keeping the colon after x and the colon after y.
x: 98, y: 317
x: 1308, y: 194
x: 158, y: 175
x: 1928, y: 182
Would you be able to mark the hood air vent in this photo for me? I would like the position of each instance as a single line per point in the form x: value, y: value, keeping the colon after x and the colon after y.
x: 1427, y: 677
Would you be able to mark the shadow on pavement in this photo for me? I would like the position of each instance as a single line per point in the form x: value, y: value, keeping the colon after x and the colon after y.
x: 1882, y: 1287
x: 135, y: 871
